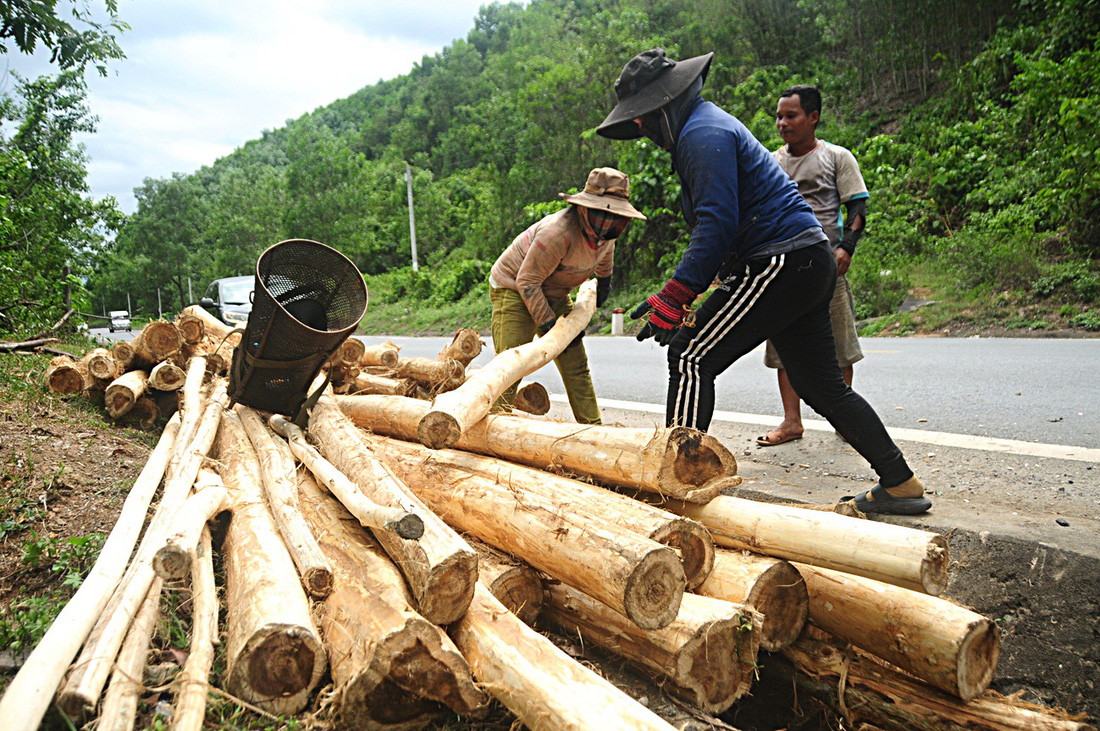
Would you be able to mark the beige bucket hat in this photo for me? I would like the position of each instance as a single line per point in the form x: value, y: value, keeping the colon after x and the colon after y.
x: 606, y: 189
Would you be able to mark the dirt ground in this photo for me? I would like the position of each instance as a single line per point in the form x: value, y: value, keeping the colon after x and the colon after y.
x: 65, y: 470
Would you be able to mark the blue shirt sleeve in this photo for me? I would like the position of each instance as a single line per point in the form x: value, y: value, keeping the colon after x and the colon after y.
x: 707, y: 163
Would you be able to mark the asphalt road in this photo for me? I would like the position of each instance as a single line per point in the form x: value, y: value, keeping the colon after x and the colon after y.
x: 1025, y: 389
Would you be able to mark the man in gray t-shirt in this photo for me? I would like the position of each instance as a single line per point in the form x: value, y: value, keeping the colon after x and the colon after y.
x: 828, y: 177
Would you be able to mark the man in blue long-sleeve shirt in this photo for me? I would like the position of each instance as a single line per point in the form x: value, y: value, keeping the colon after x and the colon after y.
x: 753, y: 231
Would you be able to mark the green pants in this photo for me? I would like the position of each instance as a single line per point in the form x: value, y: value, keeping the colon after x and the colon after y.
x: 512, y: 325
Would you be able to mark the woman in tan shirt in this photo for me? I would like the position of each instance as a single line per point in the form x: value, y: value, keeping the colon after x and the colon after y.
x: 531, y: 281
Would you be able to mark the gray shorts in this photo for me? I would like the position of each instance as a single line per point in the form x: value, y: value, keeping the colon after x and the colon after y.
x: 842, y: 311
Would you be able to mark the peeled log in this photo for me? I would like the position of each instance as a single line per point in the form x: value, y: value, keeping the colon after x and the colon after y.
x: 539, y: 683
x: 515, y: 584
x: 66, y: 376
x: 124, y: 392
x: 119, y: 711
x: 464, y: 347
x: 390, y: 666
x: 533, y: 398
x: 274, y: 657
x: 434, y: 375
x: 280, y: 484
x: 157, y: 341
x: 367, y: 383
x: 941, y: 643
x: 585, y: 548
x: 690, y: 539
x: 679, y: 462
x: 454, y: 412
x: 906, y: 557
x: 870, y: 691
x: 166, y: 376
x: 769, y: 585
x: 193, y: 681
x: 88, y: 674
x: 708, y: 652
x: 440, y: 567
x: 384, y: 354
x: 174, y: 559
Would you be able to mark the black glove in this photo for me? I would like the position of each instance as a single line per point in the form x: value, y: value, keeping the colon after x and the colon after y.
x: 545, y: 328
x: 603, y: 290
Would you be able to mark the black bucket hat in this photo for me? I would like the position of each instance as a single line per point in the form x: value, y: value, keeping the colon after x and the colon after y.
x: 649, y: 81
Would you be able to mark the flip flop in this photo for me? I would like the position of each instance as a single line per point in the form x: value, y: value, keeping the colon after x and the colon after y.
x: 886, y: 503
x: 763, y: 440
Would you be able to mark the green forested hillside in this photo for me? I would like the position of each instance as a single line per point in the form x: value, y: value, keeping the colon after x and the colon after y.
x: 975, y: 125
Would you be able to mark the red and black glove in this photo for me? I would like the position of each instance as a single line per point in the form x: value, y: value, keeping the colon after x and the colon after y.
x: 666, y: 311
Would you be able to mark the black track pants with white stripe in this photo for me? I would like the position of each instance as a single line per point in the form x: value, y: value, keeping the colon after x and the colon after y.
x: 784, y: 298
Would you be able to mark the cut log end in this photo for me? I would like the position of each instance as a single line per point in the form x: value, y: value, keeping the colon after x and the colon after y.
x: 438, y: 430
x: 279, y: 667
x: 695, y: 545
x: 172, y: 562
x: 520, y: 589
x: 449, y: 589
x: 317, y: 582
x: 780, y: 595
x: 370, y: 702
x: 533, y: 398
x: 423, y: 667
x: 713, y: 679
x: 979, y: 653
x: 933, y: 569
x: 409, y: 527
x: 695, y: 465
x: 655, y: 589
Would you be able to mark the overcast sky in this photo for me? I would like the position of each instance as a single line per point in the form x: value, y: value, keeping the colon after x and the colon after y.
x: 202, y: 77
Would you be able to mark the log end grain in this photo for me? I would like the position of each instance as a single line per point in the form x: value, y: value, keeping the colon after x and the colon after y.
x: 369, y: 701
x: 979, y: 652
x: 695, y: 545
x: 696, y: 466
x: 449, y: 588
x: 172, y: 561
x: 317, y: 581
x: 422, y: 662
x: 439, y: 430
x: 780, y: 595
x: 533, y: 398
x: 717, y: 665
x: 192, y: 329
x: 655, y: 589
x: 159, y: 341
x: 118, y: 401
x: 278, y: 668
x: 520, y: 589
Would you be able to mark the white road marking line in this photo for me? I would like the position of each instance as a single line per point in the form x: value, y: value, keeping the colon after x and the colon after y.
x: 943, y: 439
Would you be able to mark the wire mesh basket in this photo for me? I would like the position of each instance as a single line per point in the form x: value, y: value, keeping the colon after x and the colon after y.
x: 307, y: 299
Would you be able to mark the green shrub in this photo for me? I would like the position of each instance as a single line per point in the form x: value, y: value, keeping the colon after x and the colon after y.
x: 459, y: 278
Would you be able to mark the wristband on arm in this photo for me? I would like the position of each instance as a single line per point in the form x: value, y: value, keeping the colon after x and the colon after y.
x: 856, y: 209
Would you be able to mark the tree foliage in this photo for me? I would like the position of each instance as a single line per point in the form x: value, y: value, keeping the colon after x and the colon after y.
x: 72, y: 45
x: 975, y: 125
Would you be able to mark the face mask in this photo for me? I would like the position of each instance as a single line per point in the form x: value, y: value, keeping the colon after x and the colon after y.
x: 606, y: 225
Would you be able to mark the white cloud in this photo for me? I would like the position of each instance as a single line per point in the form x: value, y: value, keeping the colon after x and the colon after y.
x: 202, y: 78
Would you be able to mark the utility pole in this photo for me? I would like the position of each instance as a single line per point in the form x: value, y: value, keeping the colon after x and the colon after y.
x: 190, y: 297
x: 160, y: 313
x: 129, y: 307
x: 412, y: 216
